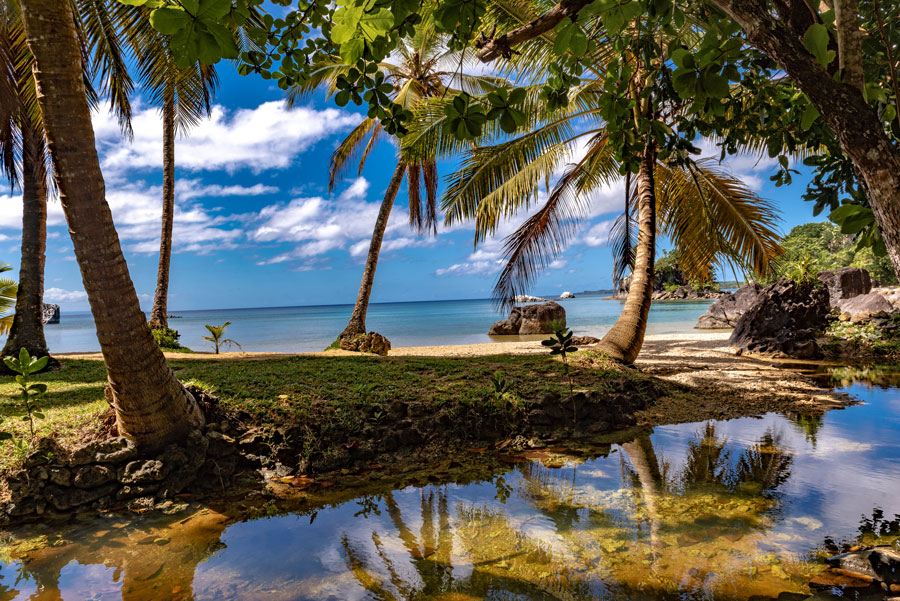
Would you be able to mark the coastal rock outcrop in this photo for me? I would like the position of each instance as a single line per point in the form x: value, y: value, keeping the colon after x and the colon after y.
x: 566, y: 294
x: 845, y: 283
x: 524, y: 298
x: 725, y: 312
x: 784, y: 321
x: 49, y: 313
x: 373, y: 342
x: 531, y: 319
x: 864, y: 304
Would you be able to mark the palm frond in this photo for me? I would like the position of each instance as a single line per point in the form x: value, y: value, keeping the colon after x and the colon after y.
x: 351, y: 148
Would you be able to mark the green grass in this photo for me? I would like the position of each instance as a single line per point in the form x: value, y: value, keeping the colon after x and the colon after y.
x: 285, y: 389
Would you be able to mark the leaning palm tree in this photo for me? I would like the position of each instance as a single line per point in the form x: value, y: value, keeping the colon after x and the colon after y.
x: 422, y: 68
x: 184, y: 95
x: 152, y: 407
x: 23, y: 148
x: 710, y: 216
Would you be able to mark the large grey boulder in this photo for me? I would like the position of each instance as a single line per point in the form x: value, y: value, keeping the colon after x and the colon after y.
x: 784, y: 321
x: 865, y: 304
x: 531, y: 319
x: 845, y: 283
x: 725, y: 312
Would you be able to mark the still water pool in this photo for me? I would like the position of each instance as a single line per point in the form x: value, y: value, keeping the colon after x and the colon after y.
x: 708, y: 511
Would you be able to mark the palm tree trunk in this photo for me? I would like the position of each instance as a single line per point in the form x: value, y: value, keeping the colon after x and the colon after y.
x: 159, y: 313
x: 152, y: 407
x: 357, y: 323
x: 28, y: 323
x: 646, y: 466
x: 624, y: 340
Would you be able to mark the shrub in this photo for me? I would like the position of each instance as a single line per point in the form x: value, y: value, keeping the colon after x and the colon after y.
x: 167, y: 339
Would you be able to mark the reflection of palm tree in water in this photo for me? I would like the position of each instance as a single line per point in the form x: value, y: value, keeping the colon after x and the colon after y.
x: 646, y: 465
x: 429, y: 554
x: 151, y: 563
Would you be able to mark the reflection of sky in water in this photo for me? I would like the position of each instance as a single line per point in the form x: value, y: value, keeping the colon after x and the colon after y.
x: 590, y: 519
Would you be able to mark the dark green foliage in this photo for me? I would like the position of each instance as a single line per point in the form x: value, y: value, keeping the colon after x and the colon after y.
x: 814, y: 247
x: 167, y: 339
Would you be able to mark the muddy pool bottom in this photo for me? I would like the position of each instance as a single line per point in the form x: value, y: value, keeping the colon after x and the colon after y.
x: 736, y: 510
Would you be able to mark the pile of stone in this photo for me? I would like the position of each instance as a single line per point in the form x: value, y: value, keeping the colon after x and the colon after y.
x: 108, y: 473
x: 531, y: 319
x: 373, y: 342
x: 686, y: 292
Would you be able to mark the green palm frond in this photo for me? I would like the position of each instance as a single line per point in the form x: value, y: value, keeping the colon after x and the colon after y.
x: 351, y: 148
x: 8, y: 291
x: 712, y: 216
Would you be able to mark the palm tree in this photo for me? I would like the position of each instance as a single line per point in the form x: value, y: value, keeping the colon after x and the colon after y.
x: 424, y: 68
x: 152, y: 407
x: 184, y: 95
x: 710, y: 216
x: 216, y: 333
x: 24, y: 151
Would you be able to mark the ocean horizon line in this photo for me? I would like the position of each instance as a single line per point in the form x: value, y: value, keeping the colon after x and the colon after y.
x: 446, y: 300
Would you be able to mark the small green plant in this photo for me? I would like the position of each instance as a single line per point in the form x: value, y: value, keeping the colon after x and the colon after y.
x: 561, y: 344
x: 501, y: 385
x: 216, y: 333
x: 30, y: 392
x: 363, y: 391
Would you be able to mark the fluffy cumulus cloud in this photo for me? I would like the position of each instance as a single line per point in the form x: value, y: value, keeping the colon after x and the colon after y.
x: 317, y: 225
x: 270, y: 136
x: 58, y: 295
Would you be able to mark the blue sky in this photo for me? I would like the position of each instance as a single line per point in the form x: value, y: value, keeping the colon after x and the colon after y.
x: 255, y: 225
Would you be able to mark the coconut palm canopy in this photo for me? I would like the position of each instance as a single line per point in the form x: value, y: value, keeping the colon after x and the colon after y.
x: 421, y: 68
x: 711, y: 217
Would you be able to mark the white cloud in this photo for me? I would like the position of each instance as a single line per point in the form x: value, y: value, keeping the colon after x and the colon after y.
x: 749, y: 168
x: 269, y: 136
x: 64, y: 296
x: 11, y: 215
x: 598, y: 235
x: 188, y: 189
x: 472, y: 267
x: 318, y: 225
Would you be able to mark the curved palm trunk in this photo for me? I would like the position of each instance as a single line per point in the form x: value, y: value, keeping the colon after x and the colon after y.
x: 646, y: 466
x: 624, y: 340
x: 28, y: 324
x: 159, y: 313
x: 357, y: 323
x: 152, y: 407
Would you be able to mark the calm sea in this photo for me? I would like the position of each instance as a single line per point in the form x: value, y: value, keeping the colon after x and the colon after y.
x: 306, y: 329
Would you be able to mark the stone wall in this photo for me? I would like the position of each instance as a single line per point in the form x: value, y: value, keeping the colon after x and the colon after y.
x: 108, y: 473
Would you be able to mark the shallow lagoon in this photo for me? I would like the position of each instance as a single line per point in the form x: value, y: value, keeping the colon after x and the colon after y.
x: 720, y: 510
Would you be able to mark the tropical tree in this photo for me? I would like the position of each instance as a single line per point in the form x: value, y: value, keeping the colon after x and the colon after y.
x: 152, y: 407
x: 710, y: 216
x: 23, y: 148
x: 216, y: 334
x: 423, y: 67
x: 184, y: 95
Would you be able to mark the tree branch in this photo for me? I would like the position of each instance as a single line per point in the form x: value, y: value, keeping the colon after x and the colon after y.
x: 849, y: 43
x: 490, y: 48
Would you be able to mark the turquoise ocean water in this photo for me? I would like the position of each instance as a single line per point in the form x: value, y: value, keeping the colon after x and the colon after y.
x: 312, y: 328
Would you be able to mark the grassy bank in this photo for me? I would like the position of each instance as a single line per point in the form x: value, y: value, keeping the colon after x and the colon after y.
x: 336, y: 392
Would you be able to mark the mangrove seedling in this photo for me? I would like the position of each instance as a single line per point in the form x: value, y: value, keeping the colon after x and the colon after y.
x: 561, y: 344
x: 30, y: 392
x: 216, y: 333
